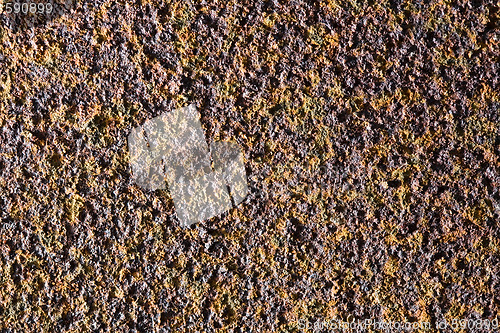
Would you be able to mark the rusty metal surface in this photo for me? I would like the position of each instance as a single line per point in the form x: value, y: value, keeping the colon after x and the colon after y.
x: 370, y: 132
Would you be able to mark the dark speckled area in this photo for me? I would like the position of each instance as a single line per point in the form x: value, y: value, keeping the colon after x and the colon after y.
x: 370, y: 131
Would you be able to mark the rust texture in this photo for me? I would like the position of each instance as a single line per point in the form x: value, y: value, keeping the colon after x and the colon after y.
x: 370, y: 131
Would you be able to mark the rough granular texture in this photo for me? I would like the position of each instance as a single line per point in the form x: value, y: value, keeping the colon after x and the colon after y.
x: 371, y: 138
